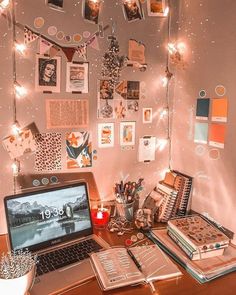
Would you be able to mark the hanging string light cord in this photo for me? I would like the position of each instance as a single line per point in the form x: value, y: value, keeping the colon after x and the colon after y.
x: 168, y: 76
x: 16, y: 162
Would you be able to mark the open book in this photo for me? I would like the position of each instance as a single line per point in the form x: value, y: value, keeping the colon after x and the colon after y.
x: 118, y: 267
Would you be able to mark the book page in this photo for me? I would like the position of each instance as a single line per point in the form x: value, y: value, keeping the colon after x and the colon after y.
x: 115, y: 268
x: 155, y: 264
x: 67, y: 113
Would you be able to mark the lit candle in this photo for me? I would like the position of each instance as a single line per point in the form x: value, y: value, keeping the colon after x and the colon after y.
x: 100, y: 217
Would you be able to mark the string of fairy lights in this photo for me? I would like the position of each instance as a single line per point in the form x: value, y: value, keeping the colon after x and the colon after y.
x: 175, y: 52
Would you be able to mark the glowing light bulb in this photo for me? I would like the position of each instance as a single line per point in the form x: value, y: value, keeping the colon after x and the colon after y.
x: 166, y: 11
x: 15, y: 168
x: 5, y: 3
x: 164, y: 81
x: 20, y: 90
x: 16, y: 129
x: 20, y: 48
x: 171, y: 48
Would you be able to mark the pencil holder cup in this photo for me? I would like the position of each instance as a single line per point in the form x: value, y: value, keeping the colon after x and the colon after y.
x: 125, y: 210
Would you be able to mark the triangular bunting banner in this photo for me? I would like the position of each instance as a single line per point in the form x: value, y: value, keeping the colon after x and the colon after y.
x: 69, y: 52
x: 44, y: 45
x: 82, y: 52
x: 93, y: 42
x: 29, y: 36
x: 53, y: 51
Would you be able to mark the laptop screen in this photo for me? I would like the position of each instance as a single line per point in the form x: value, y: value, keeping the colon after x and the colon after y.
x: 44, y: 218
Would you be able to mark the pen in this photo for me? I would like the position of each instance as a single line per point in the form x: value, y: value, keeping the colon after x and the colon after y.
x: 134, y: 259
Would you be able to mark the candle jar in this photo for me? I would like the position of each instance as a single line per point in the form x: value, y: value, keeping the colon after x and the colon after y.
x: 100, y: 217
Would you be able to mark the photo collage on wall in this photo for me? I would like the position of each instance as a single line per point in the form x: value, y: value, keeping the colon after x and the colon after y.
x: 119, y: 103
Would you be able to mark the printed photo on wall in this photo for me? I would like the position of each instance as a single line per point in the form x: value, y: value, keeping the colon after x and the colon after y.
x: 147, y: 115
x: 132, y: 10
x: 23, y: 143
x: 127, y: 133
x: 105, y: 108
x: 55, y: 4
x: 77, y: 77
x: 133, y: 89
x: 79, y: 150
x: 91, y: 9
x: 120, y: 108
x: 105, y: 90
x: 156, y: 7
x: 47, y: 73
x: 105, y: 135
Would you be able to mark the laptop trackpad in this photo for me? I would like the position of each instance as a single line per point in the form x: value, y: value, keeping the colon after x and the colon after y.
x: 63, y: 278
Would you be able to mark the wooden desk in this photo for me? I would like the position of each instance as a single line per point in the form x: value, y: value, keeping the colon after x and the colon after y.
x: 184, y: 285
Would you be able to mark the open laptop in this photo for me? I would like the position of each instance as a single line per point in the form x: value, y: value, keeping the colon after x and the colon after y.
x: 50, y: 220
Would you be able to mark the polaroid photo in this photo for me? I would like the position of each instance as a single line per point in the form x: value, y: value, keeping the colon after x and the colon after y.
x: 47, y: 73
x: 147, y: 115
x: 132, y: 10
x: 127, y: 133
x: 77, y: 77
x: 91, y: 10
x: 105, y: 135
x: 156, y: 7
x: 55, y: 4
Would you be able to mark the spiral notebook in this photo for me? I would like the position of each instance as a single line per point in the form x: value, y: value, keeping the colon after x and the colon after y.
x: 118, y: 267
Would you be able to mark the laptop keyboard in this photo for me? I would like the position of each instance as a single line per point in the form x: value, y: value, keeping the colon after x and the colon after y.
x: 66, y: 256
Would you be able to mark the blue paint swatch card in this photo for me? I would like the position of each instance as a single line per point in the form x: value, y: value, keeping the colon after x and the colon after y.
x: 201, y: 132
x: 202, y: 109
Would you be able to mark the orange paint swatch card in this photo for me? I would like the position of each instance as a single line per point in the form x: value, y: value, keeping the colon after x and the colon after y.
x: 219, y: 109
x: 217, y: 135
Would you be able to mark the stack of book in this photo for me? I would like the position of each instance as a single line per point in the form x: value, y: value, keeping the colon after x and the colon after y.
x: 198, y: 238
x: 203, y: 270
x: 175, y: 190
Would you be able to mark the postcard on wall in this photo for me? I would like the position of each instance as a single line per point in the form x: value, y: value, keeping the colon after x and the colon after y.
x: 201, y: 133
x: 105, y: 108
x: 156, y: 7
x: 132, y: 106
x: 48, y: 152
x: 147, y: 115
x: 133, y: 89
x: 147, y: 148
x: 105, y: 135
x: 121, y: 89
x: 202, y: 110
x: 132, y: 10
x: 47, y: 73
x: 23, y: 143
x: 79, y: 150
x: 217, y: 135
x: 219, y: 109
x: 136, y: 51
x: 105, y: 90
x: 127, y: 133
x: 91, y: 10
x: 67, y: 113
x: 77, y: 77
x: 120, y: 108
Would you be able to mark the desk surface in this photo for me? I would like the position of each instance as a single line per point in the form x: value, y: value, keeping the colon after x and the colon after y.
x: 184, y: 285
